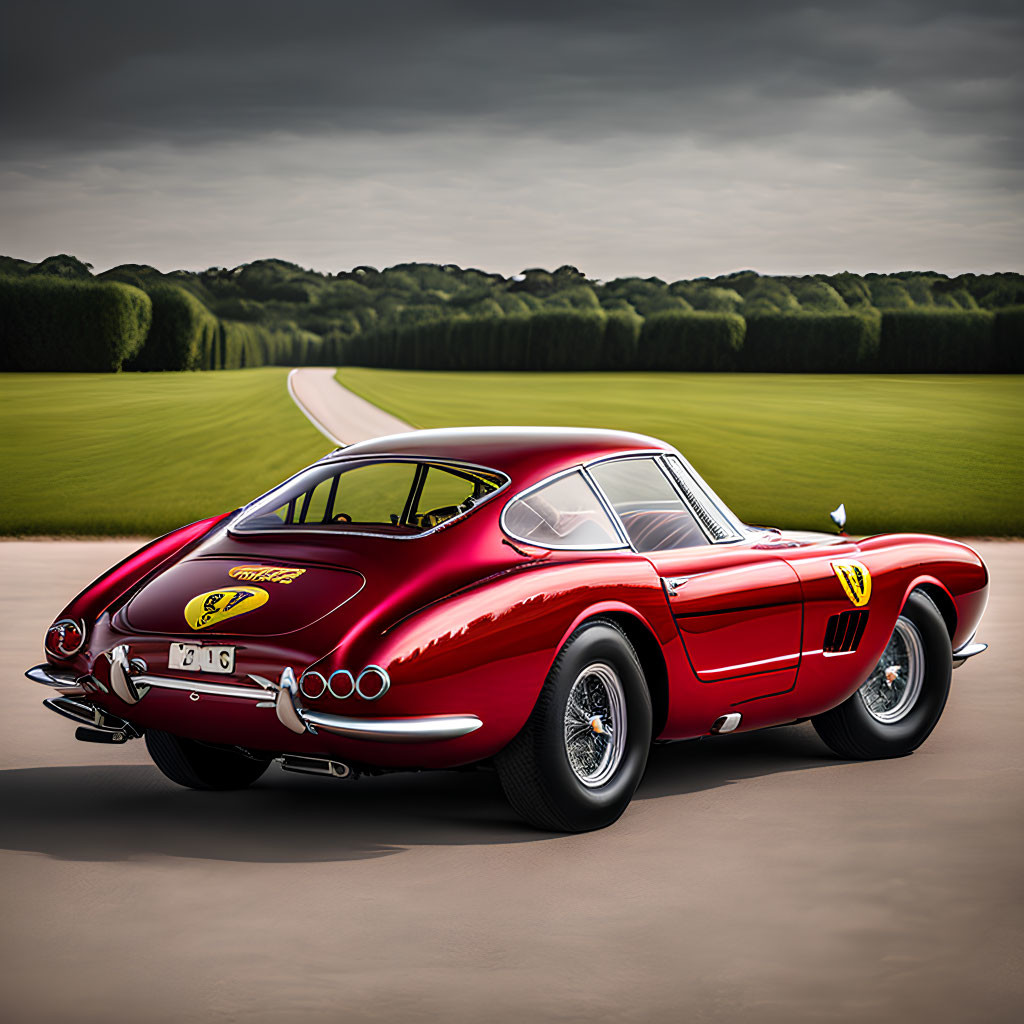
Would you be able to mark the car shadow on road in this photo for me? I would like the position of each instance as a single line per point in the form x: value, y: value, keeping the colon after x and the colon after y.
x: 126, y: 812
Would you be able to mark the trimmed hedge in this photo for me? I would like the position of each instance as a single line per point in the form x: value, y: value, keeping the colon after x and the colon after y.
x: 810, y: 342
x: 561, y: 339
x: 183, y: 334
x: 679, y: 340
x: 52, y: 323
x: 936, y: 341
x: 1008, y: 341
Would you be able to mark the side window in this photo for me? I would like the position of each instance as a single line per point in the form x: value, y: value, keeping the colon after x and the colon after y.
x: 445, y: 493
x: 648, y: 505
x: 562, y: 514
x: 375, y: 493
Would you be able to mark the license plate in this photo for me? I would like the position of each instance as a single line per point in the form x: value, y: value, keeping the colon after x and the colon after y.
x: 200, y: 658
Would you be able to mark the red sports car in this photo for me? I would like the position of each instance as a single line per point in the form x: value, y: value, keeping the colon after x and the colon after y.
x: 546, y: 601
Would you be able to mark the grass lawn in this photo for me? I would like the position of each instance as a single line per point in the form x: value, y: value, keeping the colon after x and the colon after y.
x: 942, y: 454
x: 142, y: 453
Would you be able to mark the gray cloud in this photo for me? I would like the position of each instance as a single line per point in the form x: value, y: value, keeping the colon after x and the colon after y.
x: 822, y: 113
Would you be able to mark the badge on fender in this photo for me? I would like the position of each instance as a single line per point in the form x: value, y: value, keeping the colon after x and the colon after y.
x: 855, y: 580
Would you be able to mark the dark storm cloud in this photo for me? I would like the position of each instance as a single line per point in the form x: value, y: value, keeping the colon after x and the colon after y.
x: 80, y: 75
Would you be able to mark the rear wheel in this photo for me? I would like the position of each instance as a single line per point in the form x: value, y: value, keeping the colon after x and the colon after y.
x: 578, y: 760
x: 198, y: 766
x: 899, y: 704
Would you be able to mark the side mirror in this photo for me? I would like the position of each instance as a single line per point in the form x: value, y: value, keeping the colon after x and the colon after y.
x: 838, y: 516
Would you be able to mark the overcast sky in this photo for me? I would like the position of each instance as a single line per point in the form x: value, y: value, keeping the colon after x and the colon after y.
x: 624, y: 138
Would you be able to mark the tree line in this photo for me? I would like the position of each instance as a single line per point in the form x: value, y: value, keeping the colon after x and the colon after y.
x: 57, y: 314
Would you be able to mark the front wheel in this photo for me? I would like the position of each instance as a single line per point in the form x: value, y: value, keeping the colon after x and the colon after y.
x: 200, y: 766
x: 899, y: 704
x: 578, y: 760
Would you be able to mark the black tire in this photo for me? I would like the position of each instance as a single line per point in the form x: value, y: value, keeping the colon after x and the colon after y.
x: 854, y: 733
x: 198, y: 766
x: 534, y: 768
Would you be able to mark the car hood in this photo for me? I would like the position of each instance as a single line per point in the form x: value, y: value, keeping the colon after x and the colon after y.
x: 231, y: 596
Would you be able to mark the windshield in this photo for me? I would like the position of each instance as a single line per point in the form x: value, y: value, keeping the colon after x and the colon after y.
x: 389, y: 497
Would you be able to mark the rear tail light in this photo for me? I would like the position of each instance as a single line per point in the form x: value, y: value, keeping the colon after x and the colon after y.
x: 65, y: 637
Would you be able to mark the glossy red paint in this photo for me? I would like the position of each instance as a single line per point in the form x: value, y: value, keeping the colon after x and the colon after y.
x: 466, y: 620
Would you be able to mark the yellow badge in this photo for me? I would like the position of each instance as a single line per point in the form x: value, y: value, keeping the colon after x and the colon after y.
x: 217, y: 605
x: 856, y: 581
x: 264, y: 573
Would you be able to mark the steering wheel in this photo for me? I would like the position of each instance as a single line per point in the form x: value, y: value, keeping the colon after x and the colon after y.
x: 342, y: 517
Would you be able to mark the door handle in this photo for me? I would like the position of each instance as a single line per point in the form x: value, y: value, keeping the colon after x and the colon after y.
x: 673, y: 583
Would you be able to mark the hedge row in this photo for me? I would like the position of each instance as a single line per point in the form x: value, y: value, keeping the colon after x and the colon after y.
x: 811, y: 343
x: 50, y: 323
x: 916, y: 341
x: 554, y: 340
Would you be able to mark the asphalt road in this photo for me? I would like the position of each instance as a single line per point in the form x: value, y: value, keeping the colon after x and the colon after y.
x: 754, y: 878
x: 339, y: 414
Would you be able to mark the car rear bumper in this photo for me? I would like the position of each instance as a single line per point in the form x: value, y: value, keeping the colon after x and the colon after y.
x: 411, y: 729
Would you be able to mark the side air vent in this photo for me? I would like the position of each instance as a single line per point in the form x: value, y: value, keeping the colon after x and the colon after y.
x: 713, y: 525
x: 843, y: 632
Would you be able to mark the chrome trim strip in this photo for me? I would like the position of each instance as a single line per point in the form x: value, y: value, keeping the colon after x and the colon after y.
x: 52, y: 675
x: 202, y: 686
x: 394, y: 730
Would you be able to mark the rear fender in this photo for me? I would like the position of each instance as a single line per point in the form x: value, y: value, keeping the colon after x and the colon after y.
x: 488, y: 650
x: 103, y: 592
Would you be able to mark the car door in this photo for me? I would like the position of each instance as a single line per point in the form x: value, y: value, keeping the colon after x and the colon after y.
x: 738, y: 607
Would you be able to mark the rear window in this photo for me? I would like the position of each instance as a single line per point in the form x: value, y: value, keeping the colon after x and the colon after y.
x: 400, y: 498
x: 565, y: 513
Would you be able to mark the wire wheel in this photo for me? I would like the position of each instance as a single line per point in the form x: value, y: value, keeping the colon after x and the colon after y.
x: 892, y: 689
x: 595, y: 724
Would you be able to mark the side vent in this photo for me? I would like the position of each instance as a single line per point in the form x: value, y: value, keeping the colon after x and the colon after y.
x: 843, y: 632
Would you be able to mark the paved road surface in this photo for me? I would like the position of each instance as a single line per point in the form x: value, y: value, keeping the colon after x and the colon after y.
x: 754, y: 878
x: 336, y: 412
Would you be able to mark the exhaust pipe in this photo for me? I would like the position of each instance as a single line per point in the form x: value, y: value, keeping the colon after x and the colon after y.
x: 316, y: 766
x: 97, y: 719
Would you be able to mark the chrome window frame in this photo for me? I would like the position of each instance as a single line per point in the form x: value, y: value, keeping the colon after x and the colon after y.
x: 335, y: 459
x: 602, y: 502
x: 658, y: 456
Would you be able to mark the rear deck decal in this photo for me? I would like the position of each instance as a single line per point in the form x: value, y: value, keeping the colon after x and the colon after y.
x: 215, y: 606
x: 264, y: 573
x: 856, y: 581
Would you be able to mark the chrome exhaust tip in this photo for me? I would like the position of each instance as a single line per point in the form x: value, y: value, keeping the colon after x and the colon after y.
x: 316, y: 766
x: 88, y: 714
x: 727, y: 723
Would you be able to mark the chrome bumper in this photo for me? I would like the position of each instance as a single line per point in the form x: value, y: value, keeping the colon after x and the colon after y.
x: 282, y: 696
x: 301, y: 719
x: 966, y: 650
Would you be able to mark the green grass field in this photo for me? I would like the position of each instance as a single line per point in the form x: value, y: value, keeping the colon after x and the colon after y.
x: 136, y: 453
x: 937, y: 453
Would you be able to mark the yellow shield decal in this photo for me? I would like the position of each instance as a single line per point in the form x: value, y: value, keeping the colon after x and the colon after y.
x: 856, y: 581
x: 217, y: 605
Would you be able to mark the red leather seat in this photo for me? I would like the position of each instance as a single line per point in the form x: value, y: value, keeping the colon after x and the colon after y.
x: 660, y: 529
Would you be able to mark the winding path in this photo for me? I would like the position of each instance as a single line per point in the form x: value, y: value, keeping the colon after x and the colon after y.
x: 340, y: 415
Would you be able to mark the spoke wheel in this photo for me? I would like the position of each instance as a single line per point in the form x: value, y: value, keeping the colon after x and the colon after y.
x: 891, y: 691
x: 595, y: 724
x: 895, y: 709
x: 577, y: 761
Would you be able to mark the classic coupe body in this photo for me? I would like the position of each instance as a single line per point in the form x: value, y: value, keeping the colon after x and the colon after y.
x: 546, y: 601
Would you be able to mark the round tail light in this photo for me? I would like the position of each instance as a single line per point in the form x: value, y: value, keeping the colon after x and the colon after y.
x: 65, y: 637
